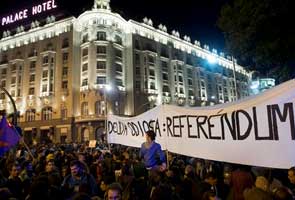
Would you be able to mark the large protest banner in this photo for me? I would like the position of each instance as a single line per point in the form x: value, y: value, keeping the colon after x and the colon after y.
x: 258, y: 130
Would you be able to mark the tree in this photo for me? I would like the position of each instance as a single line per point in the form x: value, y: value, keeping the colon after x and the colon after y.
x: 261, y: 35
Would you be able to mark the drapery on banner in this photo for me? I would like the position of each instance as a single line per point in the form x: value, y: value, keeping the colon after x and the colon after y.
x: 258, y: 131
x: 8, y: 136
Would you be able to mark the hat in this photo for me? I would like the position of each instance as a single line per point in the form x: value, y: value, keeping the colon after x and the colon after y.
x: 49, y: 157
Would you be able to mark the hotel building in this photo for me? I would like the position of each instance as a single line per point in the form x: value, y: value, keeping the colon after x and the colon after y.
x: 59, y: 73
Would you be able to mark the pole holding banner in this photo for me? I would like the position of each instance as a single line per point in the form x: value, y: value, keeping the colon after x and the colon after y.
x: 106, y: 89
x: 14, y: 120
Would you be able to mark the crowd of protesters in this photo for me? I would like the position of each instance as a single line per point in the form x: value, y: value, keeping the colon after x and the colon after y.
x: 75, y: 171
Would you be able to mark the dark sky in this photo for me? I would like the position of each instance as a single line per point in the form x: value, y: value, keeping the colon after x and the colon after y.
x: 195, y: 18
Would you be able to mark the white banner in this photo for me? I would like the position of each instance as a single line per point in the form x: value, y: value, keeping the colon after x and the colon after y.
x: 258, y: 131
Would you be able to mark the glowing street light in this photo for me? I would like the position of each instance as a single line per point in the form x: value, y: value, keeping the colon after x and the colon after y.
x: 211, y: 59
x: 107, y: 88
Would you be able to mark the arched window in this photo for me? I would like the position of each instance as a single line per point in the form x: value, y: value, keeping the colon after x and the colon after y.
x: 30, y: 115
x: 84, y: 108
x: 85, y: 135
x: 99, y: 107
x: 47, y: 113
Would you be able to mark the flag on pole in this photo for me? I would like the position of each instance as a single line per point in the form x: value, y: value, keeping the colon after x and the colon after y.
x: 8, y: 136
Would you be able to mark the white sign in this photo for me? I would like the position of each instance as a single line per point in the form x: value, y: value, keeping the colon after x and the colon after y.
x: 23, y: 14
x: 92, y: 143
x: 258, y: 131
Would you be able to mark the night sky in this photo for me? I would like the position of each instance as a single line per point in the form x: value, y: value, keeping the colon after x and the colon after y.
x: 195, y: 18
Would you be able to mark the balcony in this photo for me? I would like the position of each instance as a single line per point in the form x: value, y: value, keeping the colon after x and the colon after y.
x: 2, y: 62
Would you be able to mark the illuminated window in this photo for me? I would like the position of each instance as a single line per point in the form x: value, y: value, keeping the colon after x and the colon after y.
x: 65, y: 43
x: 165, y: 76
x: 45, y: 60
x: 101, y: 80
x: 119, y: 68
x: 32, y: 77
x: 118, y: 53
x: 32, y: 65
x: 46, y: 113
x: 119, y: 82
x: 101, y: 50
x: 12, y: 93
x: 101, y: 36
x: 101, y: 65
x: 99, y: 107
x: 84, y: 108
x: 85, y: 67
x: 85, y: 38
x: 85, y: 82
x: 65, y: 71
x: 30, y: 115
x: 44, y: 88
x: 13, y: 80
x: 45, y: 74
x: 118, y: 39
x: 3, y: 83
x: 2, y: 95
x: 13, y: 68
x: 4, y: 71
x: 32, y: 91
x: 64, y: 85
x: 152, y: 86
x: 63, y: 113
x: 65, y: 57
x: 85, y: 52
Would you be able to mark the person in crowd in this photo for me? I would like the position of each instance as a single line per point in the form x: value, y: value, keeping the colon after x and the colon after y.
x: 114, y: 192
x: 209, y: 195
x: 291, y: 177
x: 260, y: 191
x: 151, y: 152
x: 79, y: 180
x: 189, y: 182
x: 208, y: 184
x: 50, y: 168
x: 27, y: 174
x: 282, y: 193
x: 241, y: 179
x: 14, y: 183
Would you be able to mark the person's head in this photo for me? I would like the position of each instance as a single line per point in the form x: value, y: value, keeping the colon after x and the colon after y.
x: 82, y: 157
x: 210, y: 178
x: 27, y: 165
x: 262, y: 183
x: 14, y: 169
x: 150, y: 135
x: 50, y: 165
x: 76, y: 168
x: 282, y: 193
x: 114, y: 192
x: 209, y: 195
x: 189, y: 171
x: 291, y: 175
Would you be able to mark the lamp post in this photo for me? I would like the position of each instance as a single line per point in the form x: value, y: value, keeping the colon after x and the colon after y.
x: 235, y: 79
x: 14, y: 119
x: 107, y: 88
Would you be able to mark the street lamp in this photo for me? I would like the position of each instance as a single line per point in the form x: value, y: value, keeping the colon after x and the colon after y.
x: 107, y: 88
x: 235, y: 79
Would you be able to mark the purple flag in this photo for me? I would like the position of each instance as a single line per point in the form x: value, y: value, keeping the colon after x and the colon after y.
x: 8, y: 136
